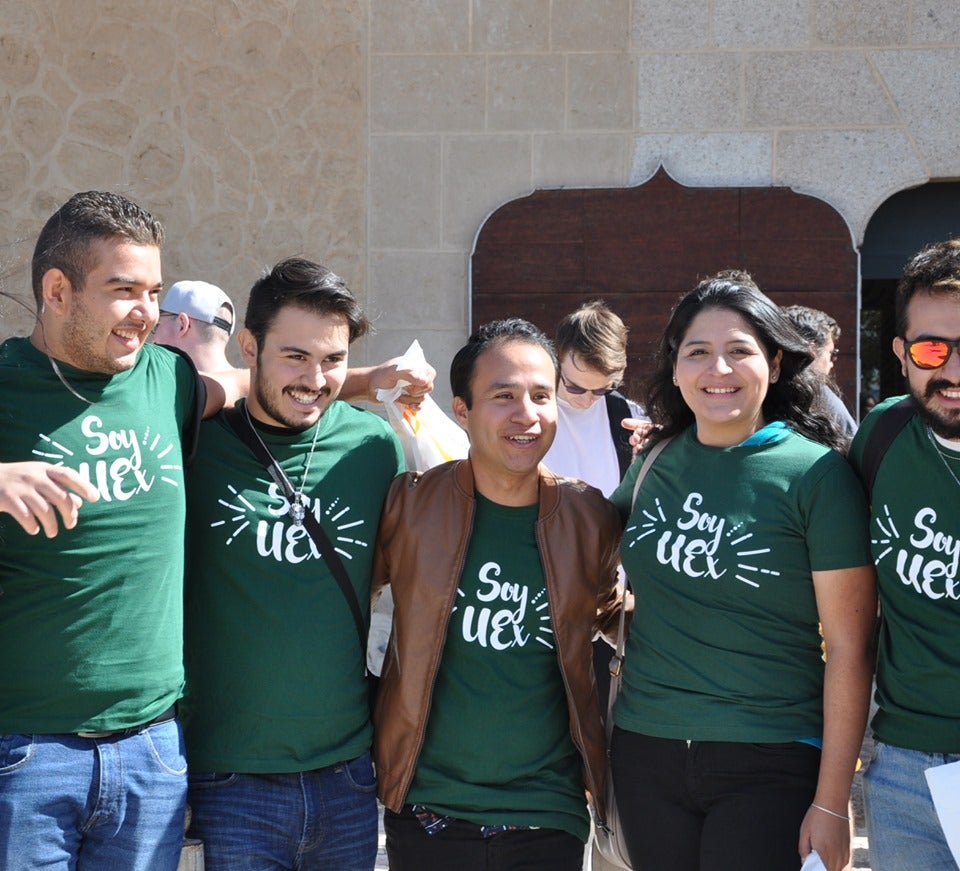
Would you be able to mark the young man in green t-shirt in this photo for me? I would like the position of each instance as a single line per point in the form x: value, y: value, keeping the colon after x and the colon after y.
x: 95, y: 423
x: 487, y: 729
x: 91, y: 757
x: 915, y: 525
x: 276, y: 711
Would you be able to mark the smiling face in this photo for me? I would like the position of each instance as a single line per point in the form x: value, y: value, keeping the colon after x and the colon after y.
x: 300, y: 369
x: 723, y: 374
x: 102, y: 326
x: 936, y: 391
x: 512, y: 419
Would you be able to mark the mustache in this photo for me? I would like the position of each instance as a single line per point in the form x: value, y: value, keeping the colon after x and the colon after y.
x: 939, y: 384
x: 300, y: 388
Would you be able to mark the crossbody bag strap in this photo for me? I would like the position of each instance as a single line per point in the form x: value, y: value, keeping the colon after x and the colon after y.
x: 884, y: 431
x: 617, y: 409
x: 616, y: 662
x: 242, y: 428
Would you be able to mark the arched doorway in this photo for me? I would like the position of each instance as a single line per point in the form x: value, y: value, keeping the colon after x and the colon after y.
x: 898, y: 229
x: 640, y: 248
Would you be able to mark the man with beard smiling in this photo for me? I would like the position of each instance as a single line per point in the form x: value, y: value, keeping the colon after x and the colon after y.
x: 97, y: 425
x: 915, y: 526
x: 276, y: 711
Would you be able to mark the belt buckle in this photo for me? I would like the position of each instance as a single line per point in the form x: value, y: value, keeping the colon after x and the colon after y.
x: 94, y: 734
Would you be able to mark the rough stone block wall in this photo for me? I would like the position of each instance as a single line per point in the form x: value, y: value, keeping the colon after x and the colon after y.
x: 240, y: 124
x: 377, y: 135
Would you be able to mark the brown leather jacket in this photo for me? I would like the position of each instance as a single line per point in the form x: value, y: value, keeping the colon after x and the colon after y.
x: 421, y: 547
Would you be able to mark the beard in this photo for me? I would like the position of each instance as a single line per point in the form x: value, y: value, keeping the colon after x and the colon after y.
x: 946, y: 426
x: 270, y: 400
x: 84, y: 342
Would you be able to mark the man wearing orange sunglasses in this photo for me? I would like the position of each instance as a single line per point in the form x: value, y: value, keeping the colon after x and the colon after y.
x: 915, y: 530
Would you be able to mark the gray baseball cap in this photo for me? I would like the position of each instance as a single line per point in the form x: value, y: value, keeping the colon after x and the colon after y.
x: 200, y: 300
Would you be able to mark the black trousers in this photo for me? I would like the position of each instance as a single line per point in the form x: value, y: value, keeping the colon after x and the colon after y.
x: 461, y: 847
x: 712, y: 805
x: 602, y: 654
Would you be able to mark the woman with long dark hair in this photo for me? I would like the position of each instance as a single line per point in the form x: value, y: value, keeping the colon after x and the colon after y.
x: 736, y: 733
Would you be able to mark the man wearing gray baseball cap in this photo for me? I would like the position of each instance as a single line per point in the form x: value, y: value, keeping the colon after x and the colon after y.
x: 198, y: 318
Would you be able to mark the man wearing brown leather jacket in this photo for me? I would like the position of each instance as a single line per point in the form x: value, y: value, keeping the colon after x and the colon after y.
x: 487, y: 725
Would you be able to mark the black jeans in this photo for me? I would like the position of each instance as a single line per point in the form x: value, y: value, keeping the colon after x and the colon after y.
x: 712, y: 805
x: 461, y: 847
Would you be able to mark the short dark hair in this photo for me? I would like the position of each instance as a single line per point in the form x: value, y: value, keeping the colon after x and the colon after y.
x: 305, y: 284
x: 596, y: 335
x: 488, y: 336
x: 813, y: 325
x: 65, y: 240
x: 934, y: 270
x: 789, y: 399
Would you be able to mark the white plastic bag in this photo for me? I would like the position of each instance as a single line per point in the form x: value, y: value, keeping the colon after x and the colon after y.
x: 427, y: 435
x: 429, y: 438
x: 813, y: 862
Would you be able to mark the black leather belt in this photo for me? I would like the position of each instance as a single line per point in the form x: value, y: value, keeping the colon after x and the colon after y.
x: 169, y: 714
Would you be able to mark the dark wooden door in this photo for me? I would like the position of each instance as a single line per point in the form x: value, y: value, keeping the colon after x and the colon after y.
x: 640, y: 248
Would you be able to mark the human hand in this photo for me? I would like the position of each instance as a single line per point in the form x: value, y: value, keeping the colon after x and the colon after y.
x: 386, y: 376
x: 829, y: 835
x: 33, y: 492
x: 639, y: 431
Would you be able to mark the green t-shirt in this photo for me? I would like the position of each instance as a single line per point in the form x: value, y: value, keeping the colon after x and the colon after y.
x: 497, y: 748
x: 275, y: 674
x: 91, y: 620
x: 725, y: 642
x: 915, y: 529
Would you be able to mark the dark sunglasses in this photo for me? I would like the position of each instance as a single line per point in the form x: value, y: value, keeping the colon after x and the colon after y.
x: 930, y: 353
x: 577, y: 390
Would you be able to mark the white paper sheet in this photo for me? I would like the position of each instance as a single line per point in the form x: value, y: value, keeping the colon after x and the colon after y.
x: 813, y: 862
x: 944, y: 783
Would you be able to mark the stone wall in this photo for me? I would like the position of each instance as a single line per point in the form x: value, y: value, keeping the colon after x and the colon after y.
x: 240, y: 124
x: 376, y: 135
x: 476, y: 102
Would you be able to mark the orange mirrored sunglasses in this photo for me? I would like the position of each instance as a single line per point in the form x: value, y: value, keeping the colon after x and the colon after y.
x: 930, y: 353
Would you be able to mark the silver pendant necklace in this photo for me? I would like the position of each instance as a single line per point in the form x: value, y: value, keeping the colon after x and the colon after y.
x: 297, y: 510
x: 942, y: 455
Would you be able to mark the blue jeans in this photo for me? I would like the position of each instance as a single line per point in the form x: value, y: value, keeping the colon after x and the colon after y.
x: 102, y: 804
x: 323, y: 820
x: 902, y: 823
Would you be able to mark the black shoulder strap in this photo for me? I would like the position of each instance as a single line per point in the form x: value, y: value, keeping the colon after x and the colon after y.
x: 884, y: 431
x: 191, y: 430
x: 312, y: 525
x: 617, y: 409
